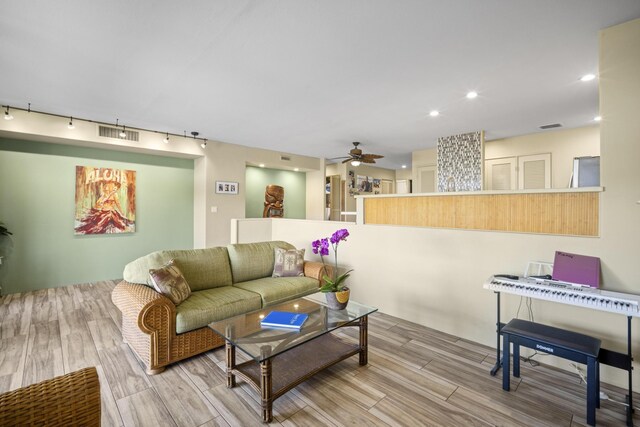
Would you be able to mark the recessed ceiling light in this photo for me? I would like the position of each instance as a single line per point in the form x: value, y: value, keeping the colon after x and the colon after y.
x: 434, y: 113
x: 404, y: 166
x: 296, y: 169
x: 587, y: 77
x: 597, y: 118
x: 261, y: 165
x: 472, y: 95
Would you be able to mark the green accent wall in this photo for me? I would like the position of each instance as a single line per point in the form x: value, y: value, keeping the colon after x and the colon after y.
x: 37, y: 198
x: 295, y: 191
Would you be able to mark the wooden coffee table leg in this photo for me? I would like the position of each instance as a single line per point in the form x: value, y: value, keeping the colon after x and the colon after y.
x: 364, y: 351
x: 231, y: 364
x: 265, y: 390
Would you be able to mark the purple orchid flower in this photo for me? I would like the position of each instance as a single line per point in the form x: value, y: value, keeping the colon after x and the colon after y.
x: 321, y: 247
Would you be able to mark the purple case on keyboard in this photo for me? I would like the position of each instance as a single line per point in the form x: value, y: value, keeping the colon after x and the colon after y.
x: 579, y: 269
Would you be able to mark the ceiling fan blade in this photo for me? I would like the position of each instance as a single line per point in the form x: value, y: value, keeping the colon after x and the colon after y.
x: 372, y: 156
x: 367, y: 160
x: 348, y: 160
x: 338, y: 158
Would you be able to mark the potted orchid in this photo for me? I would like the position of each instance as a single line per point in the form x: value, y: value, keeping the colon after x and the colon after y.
x: 337, y: 293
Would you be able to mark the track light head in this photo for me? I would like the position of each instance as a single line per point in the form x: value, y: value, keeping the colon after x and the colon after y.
x: 204, y: 144
x: 70, y: 125
x: 7, y: 114
x: 123, y: 133
x: 166, y: 139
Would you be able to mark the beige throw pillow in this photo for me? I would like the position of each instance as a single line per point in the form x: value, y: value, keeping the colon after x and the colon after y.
x: 169, y: 281
x: 288, y: 263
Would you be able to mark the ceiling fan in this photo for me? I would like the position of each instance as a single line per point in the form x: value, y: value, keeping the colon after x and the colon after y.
x: 356, y: 156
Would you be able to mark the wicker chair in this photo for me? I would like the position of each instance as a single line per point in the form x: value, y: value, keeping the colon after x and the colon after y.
x: 68, y: 400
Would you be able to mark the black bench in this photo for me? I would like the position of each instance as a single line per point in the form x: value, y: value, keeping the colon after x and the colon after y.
x: 558, y: 342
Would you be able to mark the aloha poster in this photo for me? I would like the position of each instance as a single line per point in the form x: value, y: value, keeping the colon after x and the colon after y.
x: 105, y: 200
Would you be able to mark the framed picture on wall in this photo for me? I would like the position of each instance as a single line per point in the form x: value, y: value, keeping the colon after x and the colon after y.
x: 105, y: 200
x: 226, y: 187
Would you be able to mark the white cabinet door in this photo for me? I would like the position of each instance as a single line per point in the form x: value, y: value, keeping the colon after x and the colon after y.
x: 500, y: 174
x: 534, y: 171
x: 402, y: 186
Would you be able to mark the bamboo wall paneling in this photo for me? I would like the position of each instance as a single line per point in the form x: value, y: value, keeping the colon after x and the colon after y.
x: 560, y: 213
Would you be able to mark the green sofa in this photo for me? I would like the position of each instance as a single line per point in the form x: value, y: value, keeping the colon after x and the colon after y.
x: 225, y: 282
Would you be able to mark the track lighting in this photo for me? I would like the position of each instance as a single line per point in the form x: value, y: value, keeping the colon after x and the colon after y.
x: 115, y: 131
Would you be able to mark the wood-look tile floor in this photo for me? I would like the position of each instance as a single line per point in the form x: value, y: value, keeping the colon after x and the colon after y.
x: 416, y: 376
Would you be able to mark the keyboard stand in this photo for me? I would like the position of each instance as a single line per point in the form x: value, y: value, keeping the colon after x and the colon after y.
x: 606, y: 357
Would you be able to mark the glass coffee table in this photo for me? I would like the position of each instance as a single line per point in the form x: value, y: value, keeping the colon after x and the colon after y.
x: 283, y: 358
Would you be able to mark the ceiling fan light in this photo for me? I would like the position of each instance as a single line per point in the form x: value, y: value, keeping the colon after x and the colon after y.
x: 355, y: 162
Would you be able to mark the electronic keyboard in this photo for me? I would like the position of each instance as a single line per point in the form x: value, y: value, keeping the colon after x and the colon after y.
x: 566, y: 293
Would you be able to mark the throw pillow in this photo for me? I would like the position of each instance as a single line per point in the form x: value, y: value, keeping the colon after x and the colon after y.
x: 288, y: 263
x: 169, y: 281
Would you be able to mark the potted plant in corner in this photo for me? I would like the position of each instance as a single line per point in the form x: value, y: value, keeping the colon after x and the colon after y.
x: 336, y: 292
x: 4, y: 247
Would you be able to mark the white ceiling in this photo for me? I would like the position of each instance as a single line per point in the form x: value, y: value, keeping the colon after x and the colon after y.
x: 309, y: 77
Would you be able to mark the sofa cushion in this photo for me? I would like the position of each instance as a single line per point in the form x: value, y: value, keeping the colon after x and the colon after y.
x: 202, y: 268
x: 250, y: 261
x: 288, y: 263
x: 169, y: 281
x: 210, y: 305
x: 276, y: 290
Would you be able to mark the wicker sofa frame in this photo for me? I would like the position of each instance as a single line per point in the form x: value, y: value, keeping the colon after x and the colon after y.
x: 68, y: 400
x: 149, y: 324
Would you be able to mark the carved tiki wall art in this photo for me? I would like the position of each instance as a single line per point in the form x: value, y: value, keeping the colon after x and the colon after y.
x: 273, y: 202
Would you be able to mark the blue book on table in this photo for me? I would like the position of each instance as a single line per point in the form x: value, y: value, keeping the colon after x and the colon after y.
x: 284, y: 319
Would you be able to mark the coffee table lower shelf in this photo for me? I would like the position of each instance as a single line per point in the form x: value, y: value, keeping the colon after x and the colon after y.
x: 275, y: 376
